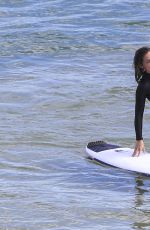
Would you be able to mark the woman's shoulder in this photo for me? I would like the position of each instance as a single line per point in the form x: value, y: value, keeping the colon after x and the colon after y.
x: 144, y: 85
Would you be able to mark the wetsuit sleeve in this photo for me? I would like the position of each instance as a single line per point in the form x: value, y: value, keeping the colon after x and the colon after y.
x: 139, y: 110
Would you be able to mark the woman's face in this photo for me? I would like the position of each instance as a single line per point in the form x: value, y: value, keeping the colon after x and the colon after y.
x: 146, y: 62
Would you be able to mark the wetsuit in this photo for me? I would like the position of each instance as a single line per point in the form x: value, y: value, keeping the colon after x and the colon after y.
x: 142, y: 92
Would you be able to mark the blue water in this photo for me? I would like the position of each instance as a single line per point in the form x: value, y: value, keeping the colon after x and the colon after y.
x: 67, y: 79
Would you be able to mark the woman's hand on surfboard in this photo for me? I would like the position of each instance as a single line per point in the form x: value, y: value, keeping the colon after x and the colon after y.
x: 139, y: 147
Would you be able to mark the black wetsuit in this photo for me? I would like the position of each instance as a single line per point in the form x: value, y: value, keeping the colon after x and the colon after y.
x: 142, y: 92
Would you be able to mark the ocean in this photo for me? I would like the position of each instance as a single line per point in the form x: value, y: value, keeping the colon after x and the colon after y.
x: 67, y: 79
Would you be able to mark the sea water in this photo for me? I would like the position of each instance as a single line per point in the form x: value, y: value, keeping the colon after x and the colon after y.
x: 66, y: 79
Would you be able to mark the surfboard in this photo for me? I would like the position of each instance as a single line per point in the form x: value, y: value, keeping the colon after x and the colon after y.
x: 116, y: 156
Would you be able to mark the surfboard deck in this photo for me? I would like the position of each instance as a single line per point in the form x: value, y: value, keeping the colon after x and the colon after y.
x: 116, y: 156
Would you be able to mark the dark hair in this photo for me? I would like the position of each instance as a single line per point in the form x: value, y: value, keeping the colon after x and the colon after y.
x: 138, y: 62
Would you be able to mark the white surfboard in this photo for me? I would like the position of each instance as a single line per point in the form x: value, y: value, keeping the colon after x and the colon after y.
x: 116, y: 156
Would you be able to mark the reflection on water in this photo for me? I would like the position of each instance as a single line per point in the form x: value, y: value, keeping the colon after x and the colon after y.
x: 142, y: 206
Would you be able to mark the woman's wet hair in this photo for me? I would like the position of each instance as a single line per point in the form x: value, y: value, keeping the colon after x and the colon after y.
x: 138, y: 62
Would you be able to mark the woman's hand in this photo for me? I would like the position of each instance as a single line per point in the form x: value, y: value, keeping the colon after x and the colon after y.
x: 139, y: 147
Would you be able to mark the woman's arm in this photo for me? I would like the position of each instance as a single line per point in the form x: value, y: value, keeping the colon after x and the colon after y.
x: 139, y: 110
x: 138, y: 121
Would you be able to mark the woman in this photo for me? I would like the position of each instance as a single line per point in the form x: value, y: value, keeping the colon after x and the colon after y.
x: 142, y: 76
